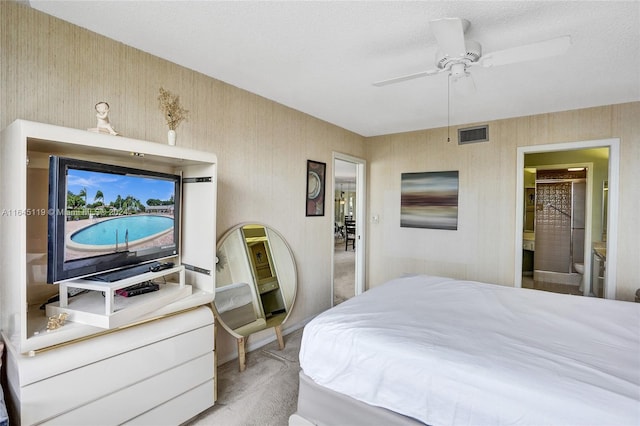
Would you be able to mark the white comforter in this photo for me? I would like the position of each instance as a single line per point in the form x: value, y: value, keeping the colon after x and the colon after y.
x: 457, y: 352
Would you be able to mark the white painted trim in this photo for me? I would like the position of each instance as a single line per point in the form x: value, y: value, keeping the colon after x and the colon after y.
x: 612, y: 225
x: 517, y: 280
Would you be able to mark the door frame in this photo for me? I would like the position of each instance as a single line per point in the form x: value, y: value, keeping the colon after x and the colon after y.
x: 612, y: 223
x: 360, y: 216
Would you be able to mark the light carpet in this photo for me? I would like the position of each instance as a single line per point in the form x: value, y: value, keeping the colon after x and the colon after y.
x: 265, y: 394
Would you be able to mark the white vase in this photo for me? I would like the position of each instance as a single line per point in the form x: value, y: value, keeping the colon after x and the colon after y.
x: 171, y: 136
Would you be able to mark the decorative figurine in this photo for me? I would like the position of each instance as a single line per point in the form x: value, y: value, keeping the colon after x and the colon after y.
x: 56, y: 322
x: 104, y: 126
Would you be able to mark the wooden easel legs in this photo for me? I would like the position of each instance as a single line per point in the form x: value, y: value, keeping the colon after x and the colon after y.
x: 242, y: 352
x: 279, y: 336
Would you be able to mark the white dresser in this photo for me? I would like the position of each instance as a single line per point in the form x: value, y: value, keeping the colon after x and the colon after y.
x: 155, y: 365
x: 160, y: 372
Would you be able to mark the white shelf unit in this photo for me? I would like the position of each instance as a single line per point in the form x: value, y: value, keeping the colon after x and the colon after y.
x: 103, y: 308
x: 149, y: 333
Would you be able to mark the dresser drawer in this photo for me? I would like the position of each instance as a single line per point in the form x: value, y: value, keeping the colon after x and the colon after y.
x: 132, y: 401
x: 91, y: 383
x: 179, y: 409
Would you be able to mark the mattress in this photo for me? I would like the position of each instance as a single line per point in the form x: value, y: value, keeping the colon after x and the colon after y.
x: 239, y: 316
x: 232, y: 296
x: 444, y: 351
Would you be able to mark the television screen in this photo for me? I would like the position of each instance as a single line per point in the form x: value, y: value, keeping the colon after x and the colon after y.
x: 103, y: 217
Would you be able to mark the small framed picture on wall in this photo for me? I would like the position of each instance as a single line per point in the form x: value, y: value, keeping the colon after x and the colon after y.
x: 316, y: 172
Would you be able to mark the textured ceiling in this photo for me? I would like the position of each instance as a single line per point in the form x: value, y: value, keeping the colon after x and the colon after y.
x: 321, y: 57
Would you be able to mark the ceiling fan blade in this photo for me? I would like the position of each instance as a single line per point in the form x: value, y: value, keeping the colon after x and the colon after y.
x: 528, y: 52
x: 449, y: 33
x: 405, y: 78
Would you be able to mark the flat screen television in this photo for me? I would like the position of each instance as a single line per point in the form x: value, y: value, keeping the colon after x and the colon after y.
x: 104, y: 217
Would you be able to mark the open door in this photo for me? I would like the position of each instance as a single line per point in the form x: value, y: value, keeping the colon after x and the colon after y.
x: 348, y: 228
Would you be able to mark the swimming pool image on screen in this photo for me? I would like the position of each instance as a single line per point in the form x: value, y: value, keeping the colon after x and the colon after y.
x: 120, y: 231
x: 126, y: 213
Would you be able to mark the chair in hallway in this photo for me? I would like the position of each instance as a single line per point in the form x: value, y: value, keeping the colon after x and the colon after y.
x: 350, y: 234
x: 338, y: 231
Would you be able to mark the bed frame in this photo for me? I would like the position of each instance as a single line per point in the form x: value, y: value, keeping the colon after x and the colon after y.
x: 318, y: 405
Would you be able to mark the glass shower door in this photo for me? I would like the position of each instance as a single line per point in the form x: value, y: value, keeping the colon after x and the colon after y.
x: 553, y: 227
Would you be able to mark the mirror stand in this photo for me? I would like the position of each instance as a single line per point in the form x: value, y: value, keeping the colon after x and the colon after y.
x: 241, y: 353
x: 279, y: 337
x: 242, y: 341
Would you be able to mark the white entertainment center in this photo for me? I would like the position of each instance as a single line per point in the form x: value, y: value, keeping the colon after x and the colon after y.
x: 148, y: 359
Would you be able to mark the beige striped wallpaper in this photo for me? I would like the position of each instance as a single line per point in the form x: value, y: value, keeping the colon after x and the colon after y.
x: 54, y: 72
x: 483, y: 246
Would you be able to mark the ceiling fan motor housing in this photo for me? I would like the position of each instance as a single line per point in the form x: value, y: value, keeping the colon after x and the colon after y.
x: 472, y: 54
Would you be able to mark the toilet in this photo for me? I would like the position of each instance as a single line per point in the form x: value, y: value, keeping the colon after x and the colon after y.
x: 579, y: 267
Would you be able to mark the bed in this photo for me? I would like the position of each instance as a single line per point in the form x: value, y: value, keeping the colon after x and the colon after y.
x: 439, y: 351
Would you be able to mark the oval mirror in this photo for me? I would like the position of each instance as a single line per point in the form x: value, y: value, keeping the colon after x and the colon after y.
x: 256, y: 282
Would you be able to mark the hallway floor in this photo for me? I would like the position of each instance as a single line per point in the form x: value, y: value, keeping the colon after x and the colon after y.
x: 344, y: 272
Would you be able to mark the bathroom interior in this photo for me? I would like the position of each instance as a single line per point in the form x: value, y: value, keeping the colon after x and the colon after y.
x: 565, y: 194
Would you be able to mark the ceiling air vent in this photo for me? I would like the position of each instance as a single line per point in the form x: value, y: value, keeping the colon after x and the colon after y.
x: 473, y: 134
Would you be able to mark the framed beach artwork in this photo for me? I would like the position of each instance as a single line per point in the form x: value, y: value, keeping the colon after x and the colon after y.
x: 316, y: 172
x: 429, y: 200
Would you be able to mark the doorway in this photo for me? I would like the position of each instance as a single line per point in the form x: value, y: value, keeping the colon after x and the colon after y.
x: 601, y: 232
x: 558, y: 213
x: 348, y: 228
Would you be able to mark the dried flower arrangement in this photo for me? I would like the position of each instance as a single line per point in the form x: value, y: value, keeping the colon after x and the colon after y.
x: 170, y: 106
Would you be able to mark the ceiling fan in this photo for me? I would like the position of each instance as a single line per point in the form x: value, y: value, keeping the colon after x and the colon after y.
x: 456, y: 55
